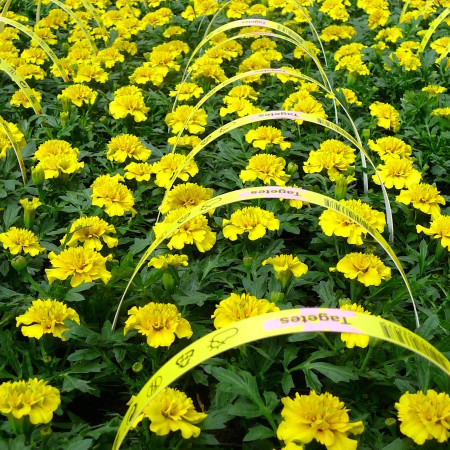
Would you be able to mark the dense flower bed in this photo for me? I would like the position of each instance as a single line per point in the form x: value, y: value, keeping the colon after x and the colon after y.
x: 106, y: 126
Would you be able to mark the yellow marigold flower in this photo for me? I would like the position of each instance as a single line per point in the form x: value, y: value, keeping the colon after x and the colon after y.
x: 90, y: 70
x: 266, y: 135
x: 144, y: 74
x: 19, y: 240
x: 236, y: 9
x: 52, y: 148
x: 440, y: 45
x: 253, y: 62
x: 267, y: 168
x: 127, y: 146
x: 336, y: 32
x: 335, y: 9
x: 424, y: 197
x: 441, y: 112
x: 60, y: 164
x: 187, y: 195
x: 5, y: 143
x: 46, y: 316
x: 378, y: 18
x: 138, y: 171
x: 159, y: 322
x: 209, y: 69
x: 90, y: 231
x: 334, y: 223
x: 28, y: 71
x: 30, y: 205
x: 238, y: 307
x: 309, y: 105
x: 168, y: 165
x: 160, y: 17
x: 349, y: 95
x: 321, y: 417
x: 250, y: 219
x: 439, y: 229
x: 241, y: 106
x: 185, y: 141
x: 243, y: 91
x: 387, y: 116
x: 109, y: 193
x: 434, y: 90
x: 390, y: 147
x: 172, y: 410
x: 195, y: 231
x: 82, y: 264
x: 257, y: 10
x: 175, y: 120
x: 19, y: 98
x: 352, y: 340
x: 110, y: 57
x: 46, y: 34
x: 424, y: 417
x: 188, y: 90
x: 164, y: 261
x: 366, y: 268
x: 407, y: 58
x: 287, y: 264
x: 174, y: 30
x: 120, y: 107
x: 79, y: 94
x: 397, y: 172
x: 34, y: 399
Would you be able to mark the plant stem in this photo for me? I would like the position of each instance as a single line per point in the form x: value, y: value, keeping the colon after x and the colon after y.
x: 366, y: 358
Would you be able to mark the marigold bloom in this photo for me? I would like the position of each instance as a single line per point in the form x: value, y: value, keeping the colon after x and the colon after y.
x: 110, y: 57
x: 46, y: 316
x: 239, y: 307
x: 366, y: 268
x: 195, y: 231
x: 79, y: 94
x: 390, y: 147
x: 287, y: 264
x: 19, y: 240
x: 184, y: 141
x: 336, y: 32
x: 175, y: 120
x: 243, y: 91
x: 387, y: 116
x: 424, y: 416
x: 128, y: 100
x: 309, y: 105
x: 127, y: 146
x: 19, y: 98
x: 109, y: 193
x: 168, y: 165
x: 164, y: 261
x: 266, y: 135
x: 250, y: 219
x: 398, y: 173
x: 159, y: 322
x: 267, y: 168
x: 424, y: 197
x: 172, y: 410
x: 441, y: 112
x: 28, y: 71
x: 33, y: 398
x: 60, y: 164
x: 186, y: 195
x: 54, y: 147
x: 321, y: 417
x: 188, y: 90
x: 439, y: 229
x: 241, y: 106
x: 5, y: 143
x: 138, y: 171
x: 30, y: 205
x: 82, y: 264
x: 434, y: 90
x: 89, y: 231
x: 352, y: 340
x: 335, y: 223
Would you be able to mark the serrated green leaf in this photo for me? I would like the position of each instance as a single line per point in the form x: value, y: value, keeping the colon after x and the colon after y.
x: 257, y: 433
x: 334, y: 373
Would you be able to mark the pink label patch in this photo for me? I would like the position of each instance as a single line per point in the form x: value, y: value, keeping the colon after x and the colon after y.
x: 315, y: 319
x: 290, y: 193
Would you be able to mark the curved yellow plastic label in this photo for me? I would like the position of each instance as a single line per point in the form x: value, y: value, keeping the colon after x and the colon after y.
x: 298, y: 320
x: 40, y: 42
x: 290, y: 115
x: 4, y: 11
x: 405, y: 8
x: 444, y: 55
x: 436, y: 22
x: 79, y: 23
x: 16, y: 149
x: 288, y: 193
x: 23, y: 85
x: 90, y: 7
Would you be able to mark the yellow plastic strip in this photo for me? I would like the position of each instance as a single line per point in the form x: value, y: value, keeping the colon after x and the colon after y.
x: 291, y: 115
x: 16, y: 149
x: 436, y: 22
x: 270, y: 192
x: 90, y: 7
x: 23, y: 85
x: 446, y: 52
x: 40, y: 42
x: 405, y: 8
x: 213, y: 19
x: 4, y: 11
x: 296, y: 320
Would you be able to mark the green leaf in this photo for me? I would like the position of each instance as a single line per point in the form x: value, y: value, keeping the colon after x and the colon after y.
x: 76, y: 384
x: 287, y: 383
x: 428, y: 328
x: 312, y: 381
x: 85, y: 354
x: 84, y: 444
x: 398, y: 444
x: 423, y: 250
x: 257, y: 433
x: 334, y: 373
x: 215, y: 420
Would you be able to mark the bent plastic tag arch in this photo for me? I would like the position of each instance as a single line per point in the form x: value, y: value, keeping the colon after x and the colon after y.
x: 298, y: 320
x: 16, y: 149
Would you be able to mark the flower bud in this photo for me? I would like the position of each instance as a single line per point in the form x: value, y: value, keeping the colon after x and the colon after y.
x: 340, y: 190
x: 29, y: 211
x: 344, y: 301
x: 137, y: 367
x: 366, y: 133
x: 292, y: 168
x: 168, y: 281
x: 276, y: 297
x: 66, y: 104
x: 19, y: 263
x: 64, y: 116
x: 38, y: 176
x: 351, y: 79
x: 247, y: 261
x: 47, y: 359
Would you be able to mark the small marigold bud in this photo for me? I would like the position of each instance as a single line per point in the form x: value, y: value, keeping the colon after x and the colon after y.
x: 19, y: 263
x: 276, y: 297
x: 168, y: 281
x: 292, y: 168
x: 137, y: 367
x: 64, y: 116
x: 247, y: 261
x: 38, y: 176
